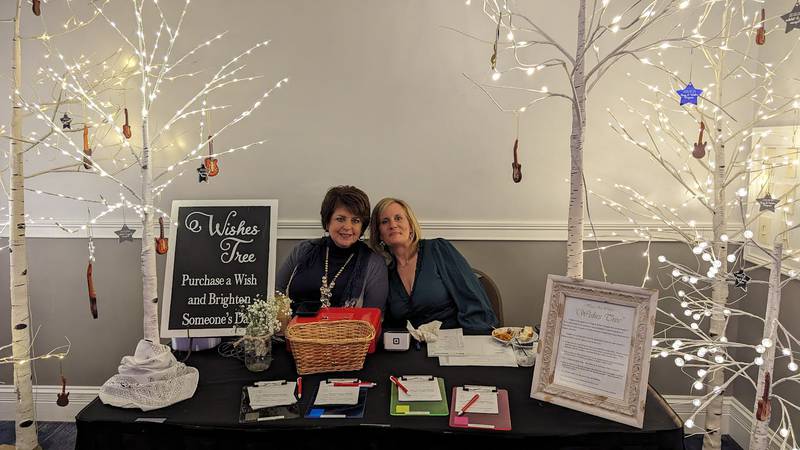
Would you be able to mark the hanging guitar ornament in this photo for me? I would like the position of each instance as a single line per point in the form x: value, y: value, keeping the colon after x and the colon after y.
x: 761, y: 33
x: 689, y: 94
x: 37, y: 7
x: 126, y: 129
x: 162, y: 244
x: 211, y: 163
x: 792, y: 18
x: 493, y: 59
x: 700, y: 146
x: 63, y: 397
x: 66, y: 122
x: 763, y: 411
x: 87, y: 163
x: 92, y: 293
x: 516, y: 167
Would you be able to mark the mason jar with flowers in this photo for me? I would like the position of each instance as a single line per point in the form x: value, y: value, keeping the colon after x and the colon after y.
x: 264, y: 319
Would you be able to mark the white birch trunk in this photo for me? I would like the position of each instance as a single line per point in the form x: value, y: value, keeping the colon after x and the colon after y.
x: 759, y: 435
x: 576, y: 195
x: 719, y: 293
x: 149, y: 276
x: 26, y: 438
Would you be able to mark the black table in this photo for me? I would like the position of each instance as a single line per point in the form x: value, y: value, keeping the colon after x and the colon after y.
x: 209, y: 420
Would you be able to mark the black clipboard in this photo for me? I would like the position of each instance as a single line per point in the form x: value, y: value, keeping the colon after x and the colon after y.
x: 250, y: 415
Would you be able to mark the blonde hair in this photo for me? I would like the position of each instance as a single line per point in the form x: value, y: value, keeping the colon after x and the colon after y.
x: 375, y: 223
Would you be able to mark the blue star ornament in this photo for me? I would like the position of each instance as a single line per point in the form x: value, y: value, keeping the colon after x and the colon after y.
x: 689, y: 94
x: 792, y: 18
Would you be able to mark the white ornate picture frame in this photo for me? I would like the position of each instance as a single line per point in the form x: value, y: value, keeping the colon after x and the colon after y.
x: 603, y: 344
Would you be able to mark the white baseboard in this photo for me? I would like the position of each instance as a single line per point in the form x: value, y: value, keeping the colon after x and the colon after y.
x: 45, y: 402
x: 736, y: 418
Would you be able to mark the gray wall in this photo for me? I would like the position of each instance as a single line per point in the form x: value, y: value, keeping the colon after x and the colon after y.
x: 60, y: 304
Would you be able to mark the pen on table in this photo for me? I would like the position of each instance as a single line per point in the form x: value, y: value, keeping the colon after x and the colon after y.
x: 299, y: 387
x: 399, y: 385
x: 469, y: 403
x: 354, y: 384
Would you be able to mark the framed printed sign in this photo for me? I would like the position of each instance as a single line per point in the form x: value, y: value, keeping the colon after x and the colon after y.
x: 221, y: 257
x: 594, y: 348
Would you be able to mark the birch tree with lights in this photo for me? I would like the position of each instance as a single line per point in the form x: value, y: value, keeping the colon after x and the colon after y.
x: 146, y: 63
x: 730, y: 117
x: 21, y: 341
x: 709, y: 190
x: 607, y: 32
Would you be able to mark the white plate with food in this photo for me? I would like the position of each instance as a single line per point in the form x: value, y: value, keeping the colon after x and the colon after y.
x: 505, y: 335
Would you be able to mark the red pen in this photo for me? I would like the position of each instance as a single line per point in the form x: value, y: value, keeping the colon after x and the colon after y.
x: 399, y: 385
x: 469, y: 403
x: 299, y: 387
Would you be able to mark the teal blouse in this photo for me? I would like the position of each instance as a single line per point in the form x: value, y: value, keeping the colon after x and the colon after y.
x: 445, y: 289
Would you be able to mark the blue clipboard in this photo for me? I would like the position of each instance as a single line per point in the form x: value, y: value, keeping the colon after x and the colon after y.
x: 338, y: 411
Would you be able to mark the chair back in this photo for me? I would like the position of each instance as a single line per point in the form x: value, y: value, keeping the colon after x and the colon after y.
x: 493, y: 293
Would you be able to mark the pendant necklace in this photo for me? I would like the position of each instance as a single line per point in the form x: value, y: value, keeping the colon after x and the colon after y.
x: 325, y: 291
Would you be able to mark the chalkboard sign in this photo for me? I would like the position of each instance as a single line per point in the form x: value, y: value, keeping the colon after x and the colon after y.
x: 221, y: 258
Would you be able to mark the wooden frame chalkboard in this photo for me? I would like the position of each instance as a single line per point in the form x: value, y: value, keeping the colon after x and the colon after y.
x: 221, y: 257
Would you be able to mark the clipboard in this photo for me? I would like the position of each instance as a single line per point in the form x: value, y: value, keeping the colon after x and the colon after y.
x: 398, y: 408
x: 492, y: 422
x: 250, y: 415
x: 337, y: 411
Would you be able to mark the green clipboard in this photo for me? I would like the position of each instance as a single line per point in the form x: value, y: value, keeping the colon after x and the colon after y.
x: 440, y: 408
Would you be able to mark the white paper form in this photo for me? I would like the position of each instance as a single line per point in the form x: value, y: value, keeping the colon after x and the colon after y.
x: 594, y: 347
x: 449, y: 342
x: 267, y: 395
x: 329, y: 394
x: 486, y: 403
x: 482, y: 351
x: 421, y: 388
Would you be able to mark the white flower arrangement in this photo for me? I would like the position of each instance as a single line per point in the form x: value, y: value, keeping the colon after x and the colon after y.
x: 263, y: 316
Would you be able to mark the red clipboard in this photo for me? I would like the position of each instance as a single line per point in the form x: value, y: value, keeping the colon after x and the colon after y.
x: 491, y: 422
x: 370, y: 315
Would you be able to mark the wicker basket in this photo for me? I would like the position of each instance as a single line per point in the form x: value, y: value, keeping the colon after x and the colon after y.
x: 330, y: 346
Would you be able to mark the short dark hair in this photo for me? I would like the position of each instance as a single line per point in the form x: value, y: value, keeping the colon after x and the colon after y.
x: 350, y: 197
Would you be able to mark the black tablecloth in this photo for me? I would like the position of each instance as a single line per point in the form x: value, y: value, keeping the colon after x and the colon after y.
x: 209, y: 420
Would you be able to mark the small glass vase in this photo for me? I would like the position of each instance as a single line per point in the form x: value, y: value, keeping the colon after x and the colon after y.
x: 258, y: 352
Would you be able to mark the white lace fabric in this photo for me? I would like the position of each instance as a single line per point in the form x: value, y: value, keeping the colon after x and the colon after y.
x: 150, y: 379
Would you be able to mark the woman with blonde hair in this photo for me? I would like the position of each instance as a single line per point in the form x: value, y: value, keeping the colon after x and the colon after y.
x: 428, y: 278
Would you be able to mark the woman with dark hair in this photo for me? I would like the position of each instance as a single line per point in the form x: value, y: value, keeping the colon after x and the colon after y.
x: 428, y: 278
x: 338, y: 269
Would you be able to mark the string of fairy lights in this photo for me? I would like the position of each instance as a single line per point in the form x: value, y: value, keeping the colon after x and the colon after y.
x: 118, y: 70
x: 669, y: 130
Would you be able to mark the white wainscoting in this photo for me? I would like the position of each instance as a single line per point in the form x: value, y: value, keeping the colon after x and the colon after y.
x: 454, y: 230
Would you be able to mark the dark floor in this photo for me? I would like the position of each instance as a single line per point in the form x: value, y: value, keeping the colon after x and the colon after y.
x: 52, y: 435
x: 696, y: 443
x: 61, y: 436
